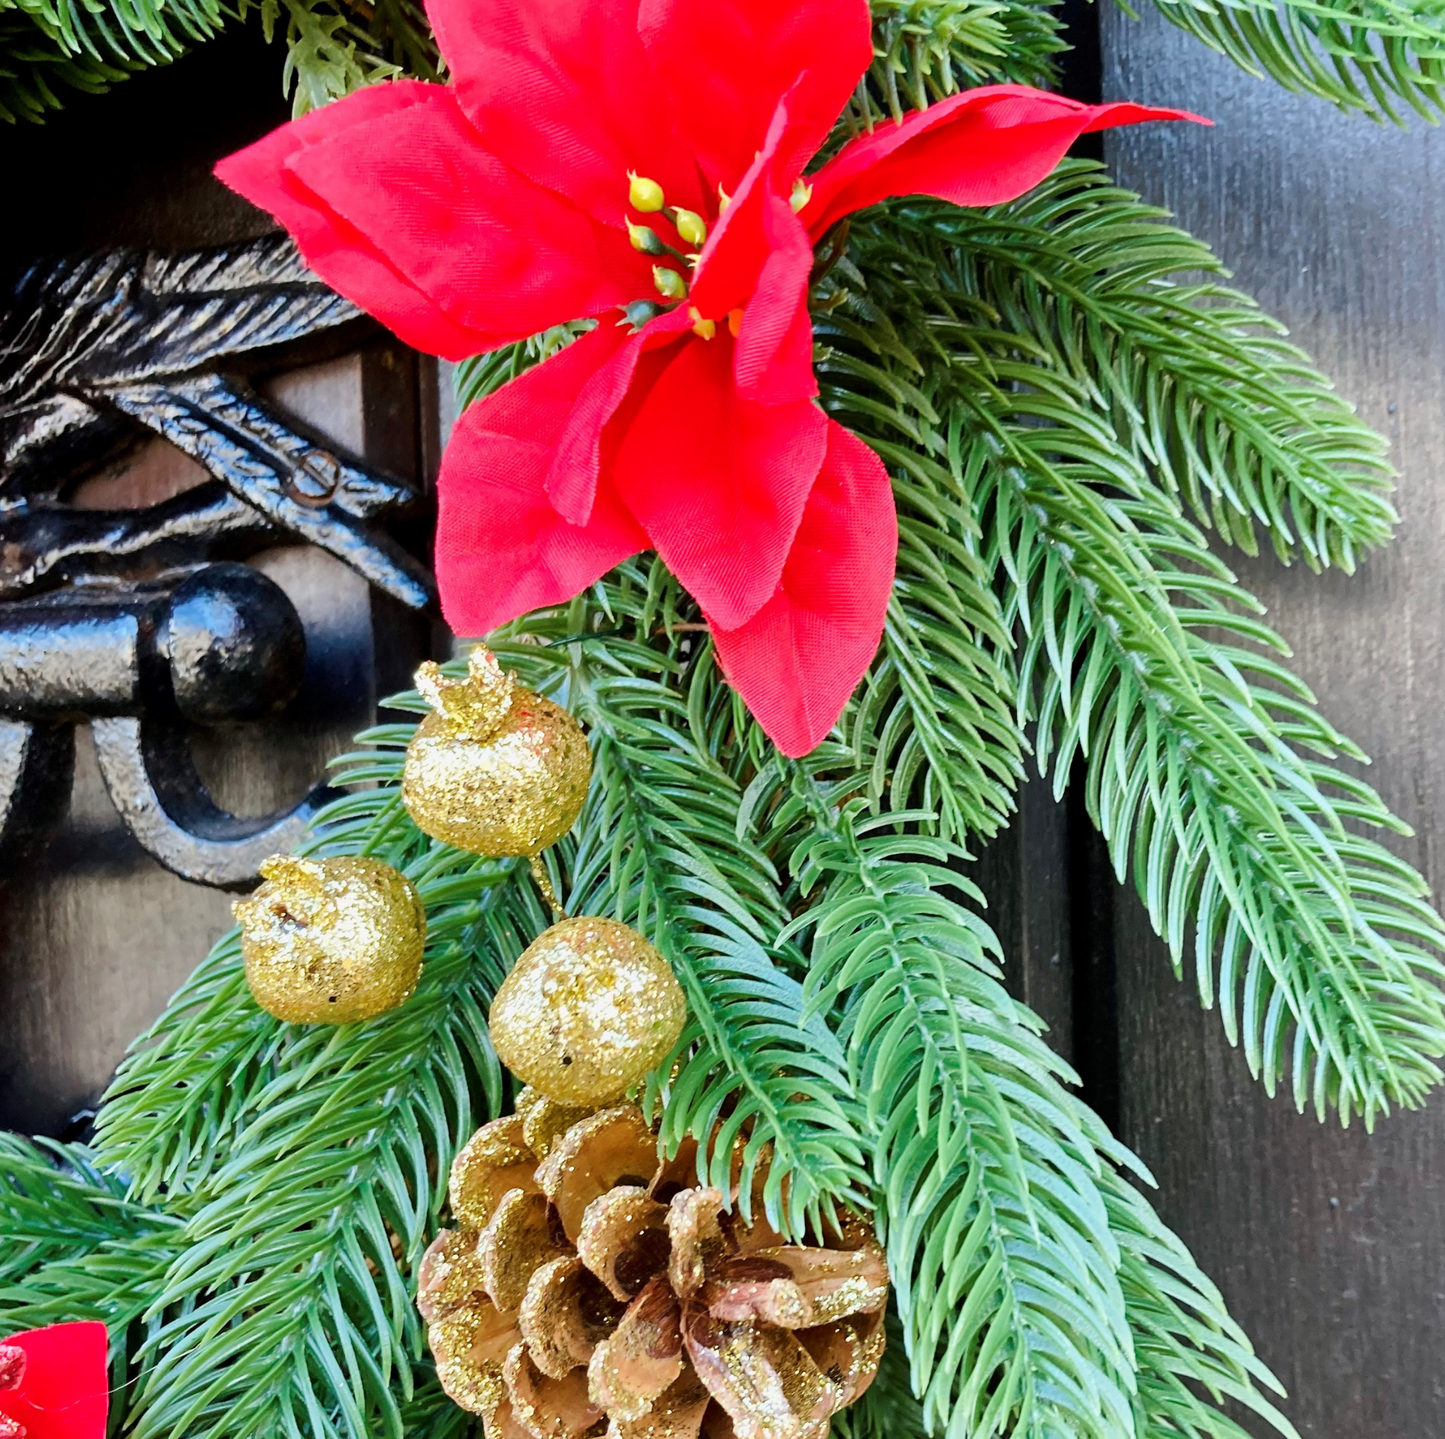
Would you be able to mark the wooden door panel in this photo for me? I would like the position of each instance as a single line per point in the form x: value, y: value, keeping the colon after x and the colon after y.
x: 1329, y: 1246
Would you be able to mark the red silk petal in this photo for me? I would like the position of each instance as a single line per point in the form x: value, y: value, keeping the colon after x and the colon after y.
x: 65, y: 1393
x: 503, y: 257
x: 501, y: 548
x: 798, y: 659
x: 980, y: 147
x: 333, y: 247
x: 718, y: 481
x: 729, y: 62
x: 775, y: 348
x: 758, y: 260
x: 733, y: 258
x: 577, y: 461
x: 573, y: 474
x: 563, y: 91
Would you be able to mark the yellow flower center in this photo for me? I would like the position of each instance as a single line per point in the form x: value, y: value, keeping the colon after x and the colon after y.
x: 671, y: 275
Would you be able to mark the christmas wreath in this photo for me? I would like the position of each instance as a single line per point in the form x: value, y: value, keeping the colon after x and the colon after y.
x: 831, y: 443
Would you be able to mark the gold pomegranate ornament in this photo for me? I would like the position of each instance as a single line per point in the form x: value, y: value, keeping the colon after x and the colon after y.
x: 592, y: 1287
x: 494, y: 769
x: 588, y: 1009
x: 331, y: 941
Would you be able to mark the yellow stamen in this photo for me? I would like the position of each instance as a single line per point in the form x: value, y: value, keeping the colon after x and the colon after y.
x: 644, y: 194
x: 723, y: 199
x: 670, y: 285
x: 645, y: 239
x: 691, y: 226
x: 703, y: 329
x: 801, y: 195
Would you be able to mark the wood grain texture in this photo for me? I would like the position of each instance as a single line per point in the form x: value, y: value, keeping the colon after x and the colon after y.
x: 1330, y: 1246
x: 1024, y: 874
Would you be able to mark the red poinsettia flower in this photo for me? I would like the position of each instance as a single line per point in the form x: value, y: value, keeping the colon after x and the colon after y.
x: 54, y: 1383
x: 597, y: 156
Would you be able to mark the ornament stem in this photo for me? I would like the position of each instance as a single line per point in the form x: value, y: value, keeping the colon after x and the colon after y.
x: 544, y: 883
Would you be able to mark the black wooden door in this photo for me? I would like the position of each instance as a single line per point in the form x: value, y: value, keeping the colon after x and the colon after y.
x: 1329, y: 1245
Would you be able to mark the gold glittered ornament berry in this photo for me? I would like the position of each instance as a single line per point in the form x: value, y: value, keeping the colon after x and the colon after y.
x: 588, y: 1009
x: 331, y: 941
x: 494, y: 769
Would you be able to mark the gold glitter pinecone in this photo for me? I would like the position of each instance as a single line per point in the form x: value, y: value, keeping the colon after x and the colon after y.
x: 592, y: 1291
x: 494, y: 769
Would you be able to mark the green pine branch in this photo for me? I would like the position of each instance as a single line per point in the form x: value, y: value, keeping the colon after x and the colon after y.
x: 50, y: 46
x: 336, y: 46
x: 75, y: 1247
x: 290, y: 1307
x: 283, y: 1304
x: 1205, y: 757
x: 998, y: 1244
x: 1362, y: 55
x: 1037, y: 1292
x: 934, y: 723
x: 181, y: 1095
x: 1317, y: 943
x: 332, y: 46
x: 57, y: 1203
x: 1196, y: 383
x: 925, y: 50
x: 659, y: 846
x: 1194, y: 1361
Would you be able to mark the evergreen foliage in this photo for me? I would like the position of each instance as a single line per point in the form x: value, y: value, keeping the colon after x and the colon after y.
x: 1064, y: 418
x: 303, y: 1162
x: 283, y: 1182
x: 50, y: 46
x: 659, y: 847
x: 1079, y: 438
x: 336, y: 46
x: 1383, y: 58
x: 332, y: 46
x: 928, y: 49
x: 1363, y: 55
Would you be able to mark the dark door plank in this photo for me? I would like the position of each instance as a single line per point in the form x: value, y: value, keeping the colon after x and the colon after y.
x: 1330, y: 1246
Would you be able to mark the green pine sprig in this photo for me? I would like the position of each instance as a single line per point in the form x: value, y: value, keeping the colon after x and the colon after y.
x: 1206, y: 761
x: 306, y: 1176
x: 1365, y: 56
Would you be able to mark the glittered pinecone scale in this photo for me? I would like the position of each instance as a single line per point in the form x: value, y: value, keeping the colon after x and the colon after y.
x: 593, y: 1290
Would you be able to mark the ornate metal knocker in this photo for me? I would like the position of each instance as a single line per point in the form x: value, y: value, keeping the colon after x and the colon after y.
x: 123, y: 619
x: 222, y: 646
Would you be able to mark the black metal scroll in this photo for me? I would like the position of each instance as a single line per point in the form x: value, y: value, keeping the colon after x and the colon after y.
x: 136, y: 621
